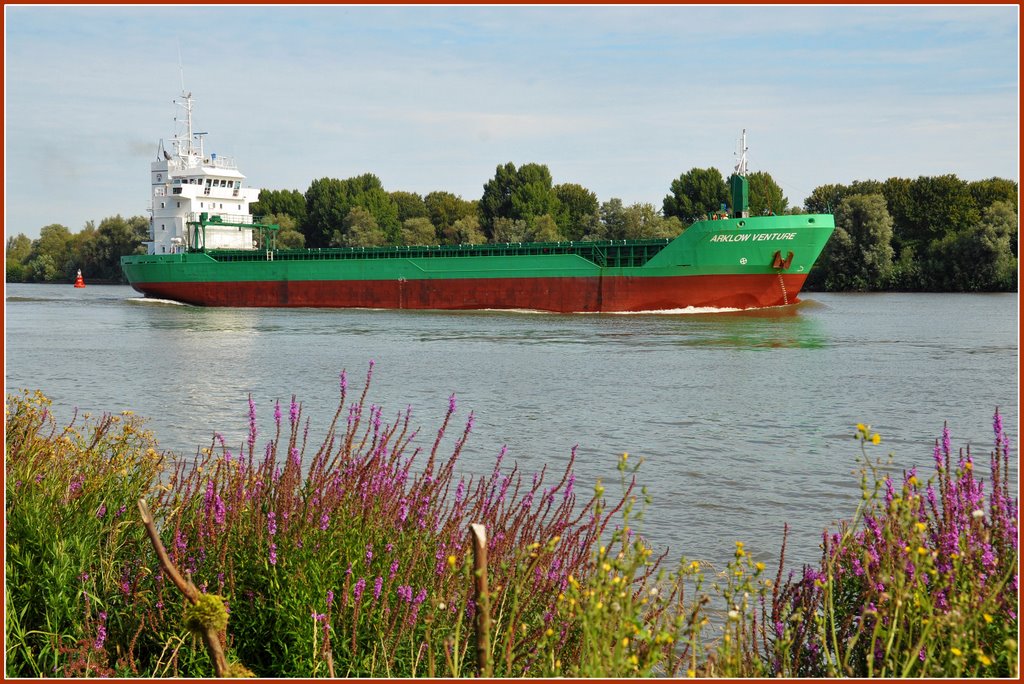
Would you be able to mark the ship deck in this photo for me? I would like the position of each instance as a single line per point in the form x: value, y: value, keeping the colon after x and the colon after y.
x: 608, y: 253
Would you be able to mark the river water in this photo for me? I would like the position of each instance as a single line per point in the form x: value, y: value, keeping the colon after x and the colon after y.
x: 745, y: 420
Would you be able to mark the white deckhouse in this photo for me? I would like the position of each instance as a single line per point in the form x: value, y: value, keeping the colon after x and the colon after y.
x: 186, y: 183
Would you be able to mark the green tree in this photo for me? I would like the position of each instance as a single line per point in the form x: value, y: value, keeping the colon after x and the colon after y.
x: 410, y: 205
x: 978, y: 258
x: 465, y: 231
x: 18, y: 248
x: 42, y: 269
x: 765, y: 195
x: 326, y: 208
x: 578, y: 210
x: 384, y: 211
x: 418, y: 231
x: 642, y: 221
x: 116, y: 237
x: 359, y: 229
x: 544, y: 229
x: 50, y: 258
x: 859, y: 254
x: 496, y: 201
x: 280, y: 203
x: 613, y: 221
x: 329, y: 201
x: 522, y: 194
x: 510, y: 230
x: 825, y: 198
x: 941, y: 205
x: 988, y: 192
x: 445, y: 208
x: 288, y: 234
x: 901, y: 208
x: 696, y: 193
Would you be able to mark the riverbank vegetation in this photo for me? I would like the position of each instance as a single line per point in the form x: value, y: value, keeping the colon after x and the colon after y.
x: 351, y: 558
x: 935, y: 233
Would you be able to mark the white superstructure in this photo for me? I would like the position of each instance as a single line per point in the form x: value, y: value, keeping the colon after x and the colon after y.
x: 186, y: 182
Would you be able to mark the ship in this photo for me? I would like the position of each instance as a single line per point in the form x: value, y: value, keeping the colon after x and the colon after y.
x: 205, y: 248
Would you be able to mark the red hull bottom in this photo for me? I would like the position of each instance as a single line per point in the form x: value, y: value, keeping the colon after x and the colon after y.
x: 565, y: 295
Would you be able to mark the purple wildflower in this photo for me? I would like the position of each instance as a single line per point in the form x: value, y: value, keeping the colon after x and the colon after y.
x: 343, y: 382
x: 378, y: 585
x: 252, y: 423
x: 405, y: 593
x: 330, y: 597
x: 393, y: 570
x: 277, y: 413
x: 293, y: 412
x: 101, y: 632
x: 272, y: 523
x: 451, y: 404
x: 369, y: 553
x: 218, y: 510
x: 357, y: 590
x: 273, y: 553
x: 325, y: 521
x: 102, y: 511
x: 568, y: 486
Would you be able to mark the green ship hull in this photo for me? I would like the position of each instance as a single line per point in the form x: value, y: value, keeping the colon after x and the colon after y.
x: 729, y: 263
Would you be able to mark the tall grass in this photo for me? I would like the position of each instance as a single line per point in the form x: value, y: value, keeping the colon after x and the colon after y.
x: 921, y: 582
x: 351, y: 557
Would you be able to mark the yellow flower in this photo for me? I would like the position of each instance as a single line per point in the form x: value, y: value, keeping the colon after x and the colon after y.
x: 956, y: 651
x: 876, y: 438
x: 625, y: 641
x: 984, y: 659
x: 759, y: 566
x: 921, y: 527
x: 549, y: 632
x: 988, y: 618
x: 451, y: 561
x: 861, y: 427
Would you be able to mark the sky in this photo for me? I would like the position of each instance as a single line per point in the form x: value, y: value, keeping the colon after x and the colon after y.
x: 619, y: 99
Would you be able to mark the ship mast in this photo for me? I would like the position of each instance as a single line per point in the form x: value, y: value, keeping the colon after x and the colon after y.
x: 738, y: 183
x: 184, y: 143
x: 741, y: 165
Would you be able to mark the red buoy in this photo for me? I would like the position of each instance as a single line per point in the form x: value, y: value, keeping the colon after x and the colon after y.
x: 78, y: 279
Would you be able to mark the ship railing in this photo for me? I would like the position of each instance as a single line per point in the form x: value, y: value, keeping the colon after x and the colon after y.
x: 193, y: 217
x: 607, y: 253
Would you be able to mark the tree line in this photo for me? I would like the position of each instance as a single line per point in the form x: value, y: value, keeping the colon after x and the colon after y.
x: 929, y: 234
x: 57, y: 254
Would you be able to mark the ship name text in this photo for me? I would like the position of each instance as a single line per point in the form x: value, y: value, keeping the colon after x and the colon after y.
x: 751, y: 237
